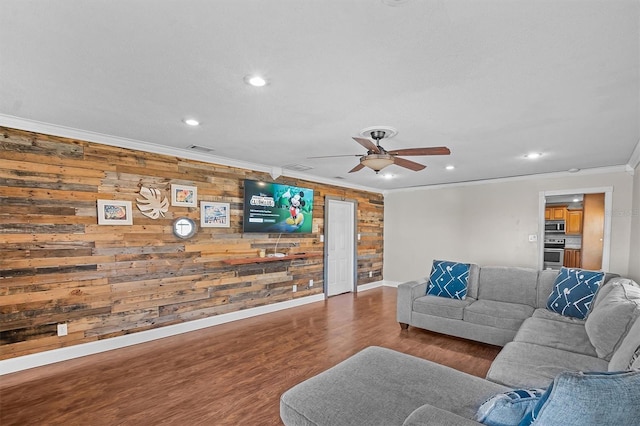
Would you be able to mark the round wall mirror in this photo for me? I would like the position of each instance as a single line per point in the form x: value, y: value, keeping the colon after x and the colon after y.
x: 183, y: 227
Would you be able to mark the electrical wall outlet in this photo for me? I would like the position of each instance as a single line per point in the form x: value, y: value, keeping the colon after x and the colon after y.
x: 310, y: 283
x: 533, y: 238
x: 295, y: 288
x: 62, y: 329
x: 322, y: 238
x: 370, y: 274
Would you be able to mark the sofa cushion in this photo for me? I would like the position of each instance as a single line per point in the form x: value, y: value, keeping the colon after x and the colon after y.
x: 610, y: 320
x: 430, y: 415
x: 524, y: 365
x: 508, y: 284
x: 550, y: 315
x: 497, y: 314
x: 546, y: 280
x: 448, y: 279
x: 578, y: 399
x: 573, y: 292
x: 508, y: 408
x: 441, y: 306
x: 623, y: 358
x: 564, y: 335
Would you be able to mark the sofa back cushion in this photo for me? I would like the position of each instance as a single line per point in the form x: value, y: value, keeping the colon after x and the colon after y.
x: 627, y: 356
x: 508, y: 284
x: 612, y: 318
x: 546, y: 280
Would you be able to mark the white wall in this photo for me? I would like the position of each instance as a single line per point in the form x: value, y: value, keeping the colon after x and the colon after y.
x: 489, y: 223
x: 634, y: 249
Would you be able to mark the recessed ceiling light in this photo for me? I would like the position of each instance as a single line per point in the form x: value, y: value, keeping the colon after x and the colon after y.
x: 533, y: 155
x: 191, y: 122
x: 450, y: 167
x: 574, y: 170
x: 387, y: 176
x: 255, y: 80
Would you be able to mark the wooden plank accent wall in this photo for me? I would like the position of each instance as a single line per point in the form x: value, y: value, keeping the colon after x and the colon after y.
x: 58, y: 265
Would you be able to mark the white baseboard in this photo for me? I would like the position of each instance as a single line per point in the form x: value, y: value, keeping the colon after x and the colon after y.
x: 63, y: 354
x: 376, y: 284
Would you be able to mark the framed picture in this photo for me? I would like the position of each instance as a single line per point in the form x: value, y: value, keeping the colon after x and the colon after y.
x: 113, y: 212
x: 214, y: 215
x: 184, y: 196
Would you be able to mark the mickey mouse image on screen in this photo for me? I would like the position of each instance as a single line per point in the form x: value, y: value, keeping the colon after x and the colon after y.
x: 295, y: 204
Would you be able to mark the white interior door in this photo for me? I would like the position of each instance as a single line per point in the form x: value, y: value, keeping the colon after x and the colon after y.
x: 340, y: 221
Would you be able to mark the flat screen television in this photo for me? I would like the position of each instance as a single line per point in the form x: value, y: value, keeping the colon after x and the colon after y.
x: 273, y: 207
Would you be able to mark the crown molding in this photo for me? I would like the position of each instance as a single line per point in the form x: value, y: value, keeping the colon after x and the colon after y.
x: 592, y: 171
x: 101, y: 138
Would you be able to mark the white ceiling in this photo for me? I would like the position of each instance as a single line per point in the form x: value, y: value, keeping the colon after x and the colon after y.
x: 492, y: 80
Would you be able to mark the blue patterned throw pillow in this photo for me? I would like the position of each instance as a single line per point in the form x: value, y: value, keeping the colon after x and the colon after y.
x: 448, y: 279
x: 509, y: 408
x: 573, y: 292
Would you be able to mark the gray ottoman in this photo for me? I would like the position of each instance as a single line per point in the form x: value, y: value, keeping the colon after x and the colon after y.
x: 379, y: 386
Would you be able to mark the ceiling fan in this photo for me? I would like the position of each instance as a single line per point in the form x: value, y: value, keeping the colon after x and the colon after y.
x: 377, y: 158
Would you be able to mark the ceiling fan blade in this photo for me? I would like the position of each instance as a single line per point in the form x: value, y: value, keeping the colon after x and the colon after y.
x: 356, y: 168
x: 336, y: 156
x: 368, y: 144
x: 408, y: 164
x: 434, y: 150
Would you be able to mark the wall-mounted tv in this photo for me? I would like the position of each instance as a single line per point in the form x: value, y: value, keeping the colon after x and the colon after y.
x: 274, y: 207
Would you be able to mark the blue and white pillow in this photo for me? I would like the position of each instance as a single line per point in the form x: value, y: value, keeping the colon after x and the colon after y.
x: 509, y: 408
x: 573, y: 292
x: 448, y: 279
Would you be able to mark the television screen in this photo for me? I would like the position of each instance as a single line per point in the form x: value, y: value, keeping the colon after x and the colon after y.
x: 274, y: 207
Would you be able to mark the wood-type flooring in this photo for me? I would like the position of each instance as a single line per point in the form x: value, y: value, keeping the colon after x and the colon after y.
x: 231, y: 374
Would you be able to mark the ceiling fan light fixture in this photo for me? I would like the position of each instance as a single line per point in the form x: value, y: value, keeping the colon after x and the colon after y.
x: 377, y: 162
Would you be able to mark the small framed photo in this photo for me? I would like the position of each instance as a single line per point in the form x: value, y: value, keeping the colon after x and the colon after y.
x: 184, y: 196
x: 113, y: 212
x: 214, y: 215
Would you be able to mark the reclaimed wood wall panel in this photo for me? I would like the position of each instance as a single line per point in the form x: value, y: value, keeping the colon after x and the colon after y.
x: 57, y: 265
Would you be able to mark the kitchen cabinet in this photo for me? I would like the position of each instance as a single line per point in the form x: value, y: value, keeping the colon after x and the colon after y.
x: 573, y: 222
x: 572, y: 258
x: 555, y: 213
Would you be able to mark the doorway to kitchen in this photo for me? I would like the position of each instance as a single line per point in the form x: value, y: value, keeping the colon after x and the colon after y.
x: 575, y: 227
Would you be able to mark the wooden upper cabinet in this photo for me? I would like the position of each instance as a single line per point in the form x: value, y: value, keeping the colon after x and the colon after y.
x: 555, y: 213
x: 573, y: 222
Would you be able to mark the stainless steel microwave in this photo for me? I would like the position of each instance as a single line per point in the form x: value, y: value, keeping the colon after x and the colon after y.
x: 554, y: 227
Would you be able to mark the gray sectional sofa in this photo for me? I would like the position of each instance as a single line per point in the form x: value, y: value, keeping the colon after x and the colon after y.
x: 505, y: 306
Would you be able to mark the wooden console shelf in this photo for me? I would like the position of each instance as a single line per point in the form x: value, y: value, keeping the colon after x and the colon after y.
x: 247, y: 260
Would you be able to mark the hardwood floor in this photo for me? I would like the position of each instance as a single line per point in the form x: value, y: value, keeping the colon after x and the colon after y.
x: 232, y: 374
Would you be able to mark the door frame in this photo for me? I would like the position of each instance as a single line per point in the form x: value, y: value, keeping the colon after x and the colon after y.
x: 354, y: 254
x: 608, y: 205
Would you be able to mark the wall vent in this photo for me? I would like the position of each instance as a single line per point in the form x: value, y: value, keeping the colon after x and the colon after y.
x: 200, y: 148
x: 297, y: 167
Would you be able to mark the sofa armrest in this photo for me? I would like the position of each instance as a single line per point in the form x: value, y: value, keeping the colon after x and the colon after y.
x: 407, y: 293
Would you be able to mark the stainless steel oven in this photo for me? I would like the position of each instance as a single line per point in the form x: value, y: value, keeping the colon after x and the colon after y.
x: 553, y: 253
